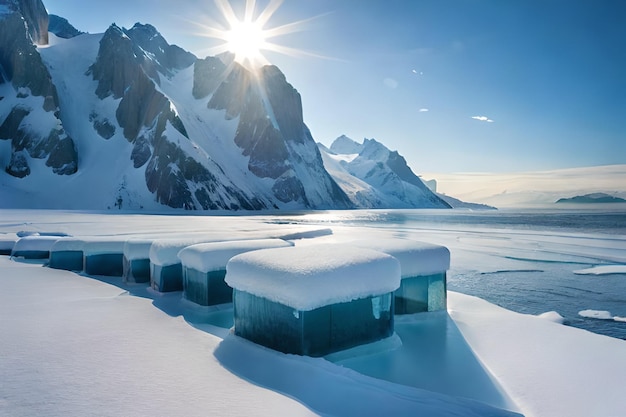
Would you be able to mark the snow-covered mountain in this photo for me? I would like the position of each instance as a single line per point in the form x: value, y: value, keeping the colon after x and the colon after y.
x: 125, y: 119
x: 375, y: 177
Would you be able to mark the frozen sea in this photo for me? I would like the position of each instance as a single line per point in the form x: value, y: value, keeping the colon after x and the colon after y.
x: 522, y: 260
x: 82, y: 342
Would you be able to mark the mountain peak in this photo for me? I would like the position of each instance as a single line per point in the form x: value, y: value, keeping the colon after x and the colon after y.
x: 345, y: 145
x: 62, y: 28
x: 378, y: 177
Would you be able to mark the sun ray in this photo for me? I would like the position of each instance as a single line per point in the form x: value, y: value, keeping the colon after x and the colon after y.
x: 268, y: 12
x: 246, y: 35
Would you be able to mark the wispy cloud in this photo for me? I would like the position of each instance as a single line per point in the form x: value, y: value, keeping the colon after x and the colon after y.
x: 391, y: 83
x: 482, y: 119
x: 423, y: 110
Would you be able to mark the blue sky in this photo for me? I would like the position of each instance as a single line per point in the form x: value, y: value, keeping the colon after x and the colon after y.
x: 549, y: 74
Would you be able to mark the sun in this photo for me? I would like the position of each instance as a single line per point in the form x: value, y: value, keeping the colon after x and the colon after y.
x: 247, y: 36
x: 246, y: 40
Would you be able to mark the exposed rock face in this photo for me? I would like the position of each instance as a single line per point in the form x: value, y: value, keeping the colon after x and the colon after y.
x: 61, y: 27
x: 271, y: 131
x: 121, y: 72
x: 33, y: 97
x: 102, y: 125
x: 208, y: 74
x: 18, y: 167
x: 35, y: 16
x: 20, y: 61
x: 165, y: 57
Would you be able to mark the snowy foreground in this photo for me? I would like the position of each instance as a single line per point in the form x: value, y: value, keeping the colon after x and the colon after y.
x: 78, y: 345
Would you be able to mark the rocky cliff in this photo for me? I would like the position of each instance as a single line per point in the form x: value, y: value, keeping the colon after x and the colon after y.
x: 29, y: 115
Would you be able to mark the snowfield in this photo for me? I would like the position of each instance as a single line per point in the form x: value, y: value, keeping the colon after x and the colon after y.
x: 78, y: 345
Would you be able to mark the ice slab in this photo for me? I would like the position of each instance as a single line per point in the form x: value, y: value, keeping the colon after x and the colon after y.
x: 69, y: 260
x: 136, y: 267
x: 108, y: 264
x: 423, y: 270
x: 166, y: 278
x: 315, y: 332
x: 104, y: 256
x: 598, y: 314
x: 421, y: 293
x: 603, y: 270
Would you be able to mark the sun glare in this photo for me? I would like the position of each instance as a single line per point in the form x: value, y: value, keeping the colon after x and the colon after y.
x: 246, y: 40
x: 247, y: 36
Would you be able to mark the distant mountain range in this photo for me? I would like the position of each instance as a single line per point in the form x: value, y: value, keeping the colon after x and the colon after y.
x: 124, y: 119
x: 594, y: 198
x: 533, y: 189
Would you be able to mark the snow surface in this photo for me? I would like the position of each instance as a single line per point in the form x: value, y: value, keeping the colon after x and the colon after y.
x: 7, y: 241
x: 306, y: 278
x: 602, y: 270
x: 214, y: 256
x: 416, y: 258
x: 73, y: 345
x: 545, y: 367
x: 552, y: 316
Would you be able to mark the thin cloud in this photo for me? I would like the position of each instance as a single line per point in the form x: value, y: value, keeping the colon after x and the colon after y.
x: 482, y: 119
x: 391, y: 83
x: 423, y: 110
